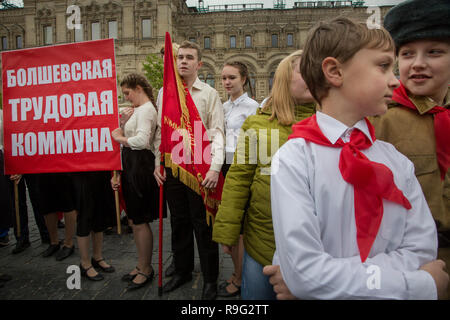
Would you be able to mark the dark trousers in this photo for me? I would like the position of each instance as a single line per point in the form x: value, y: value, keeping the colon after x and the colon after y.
x: 23, y: 208
x: 188, y: 217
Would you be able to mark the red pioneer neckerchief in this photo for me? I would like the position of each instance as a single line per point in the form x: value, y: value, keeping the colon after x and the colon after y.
x: 372, y: 181
x: 441, y: 127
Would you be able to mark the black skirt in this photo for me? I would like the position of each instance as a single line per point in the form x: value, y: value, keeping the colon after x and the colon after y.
x: 94, y: 201
x: 55, y: 192
x: 140, y: 189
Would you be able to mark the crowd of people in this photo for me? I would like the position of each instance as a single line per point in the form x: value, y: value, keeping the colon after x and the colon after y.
x: 341, y: 169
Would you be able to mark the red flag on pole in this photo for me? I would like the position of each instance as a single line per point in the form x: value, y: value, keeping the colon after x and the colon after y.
x: 185, y: 145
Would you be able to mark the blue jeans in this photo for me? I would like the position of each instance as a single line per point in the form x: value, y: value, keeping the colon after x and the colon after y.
x: 255, y: 285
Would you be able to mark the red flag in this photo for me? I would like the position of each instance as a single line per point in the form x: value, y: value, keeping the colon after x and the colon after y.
x: 185, y: 145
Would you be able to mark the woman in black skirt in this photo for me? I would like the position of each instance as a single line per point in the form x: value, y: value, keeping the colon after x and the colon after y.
x: 139, y: 186
x: 94, y: 201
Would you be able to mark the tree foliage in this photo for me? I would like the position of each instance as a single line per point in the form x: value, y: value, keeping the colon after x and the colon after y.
x: 154, y: 70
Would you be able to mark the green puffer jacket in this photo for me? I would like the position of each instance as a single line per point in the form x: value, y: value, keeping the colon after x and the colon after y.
x: 246, y: 193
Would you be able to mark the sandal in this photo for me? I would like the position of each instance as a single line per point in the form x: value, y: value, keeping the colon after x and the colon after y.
x: 84, y: 273
x: 223, y: 292
x: 129, y: 277
x: 148, y: 278
x: 96, y: 264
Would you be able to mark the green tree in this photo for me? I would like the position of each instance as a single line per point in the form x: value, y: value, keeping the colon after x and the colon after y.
x: 154, y: 70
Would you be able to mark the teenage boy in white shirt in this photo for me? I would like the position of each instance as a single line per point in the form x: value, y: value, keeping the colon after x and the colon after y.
x: 186, y: 207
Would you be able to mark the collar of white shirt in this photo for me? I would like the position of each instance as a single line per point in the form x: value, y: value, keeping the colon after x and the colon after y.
x: 198, y: 84
x: 238, y: 100
x: 334, y: 129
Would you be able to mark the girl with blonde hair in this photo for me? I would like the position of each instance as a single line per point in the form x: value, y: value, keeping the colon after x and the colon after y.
x: 246, y: 193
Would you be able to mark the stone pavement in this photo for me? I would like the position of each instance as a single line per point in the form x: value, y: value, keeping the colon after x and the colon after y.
x: 38, y: 278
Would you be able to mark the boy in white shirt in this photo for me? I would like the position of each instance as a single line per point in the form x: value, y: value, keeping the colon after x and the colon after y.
x: 349, y: 216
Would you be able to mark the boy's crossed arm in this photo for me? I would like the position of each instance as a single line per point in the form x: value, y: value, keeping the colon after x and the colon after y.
x: 436, y: 269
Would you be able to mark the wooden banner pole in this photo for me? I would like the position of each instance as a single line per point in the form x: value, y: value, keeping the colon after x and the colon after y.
x: 116, y: 195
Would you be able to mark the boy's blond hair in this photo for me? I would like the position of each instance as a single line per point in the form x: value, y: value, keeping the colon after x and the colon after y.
x: 280, y: 101
x: 340, y: 38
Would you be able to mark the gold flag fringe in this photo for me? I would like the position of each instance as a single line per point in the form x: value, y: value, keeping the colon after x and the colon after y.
x: 193, y: 182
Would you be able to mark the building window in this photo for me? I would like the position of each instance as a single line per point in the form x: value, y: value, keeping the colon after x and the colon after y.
x: 79, y: 34
x: 201, y: 76
x: 146, y: 28
x: 4, y: 43
x: 210, y: 80
x: 19, y: 42
x: 248, y: 41
x: 48, y: 35
x: 95, y: 31
x: 207, y: 43
x: 233, y: 42
x: 193, y: 40
x: 274, y: 41
x: 112, y: 29
x: 290, y: 40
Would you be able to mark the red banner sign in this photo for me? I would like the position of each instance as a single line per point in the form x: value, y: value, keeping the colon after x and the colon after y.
x: 59, y: 108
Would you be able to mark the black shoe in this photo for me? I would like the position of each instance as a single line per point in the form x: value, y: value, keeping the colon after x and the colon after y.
x: 4, y: 241
x: 21, y: 245
x: 209, y: 291
x: 148, y: 278
x: 64, y: 253
x: 129, y: 277
x: 96, y: 264
x: 84, y: 271
x: 170, y: 271
x: 53, y: 248
x: 176, y: 281
x: 223, y: 292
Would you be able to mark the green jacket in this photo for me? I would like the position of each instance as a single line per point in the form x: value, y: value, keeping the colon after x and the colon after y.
x: 246, y: 193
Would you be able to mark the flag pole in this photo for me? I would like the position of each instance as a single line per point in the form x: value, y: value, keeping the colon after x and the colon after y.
x: 16, y: 201
x: 161, y: 204
x: 116, y: 196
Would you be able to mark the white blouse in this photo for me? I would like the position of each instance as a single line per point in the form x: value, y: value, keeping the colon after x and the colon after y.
x: 235, y: 113
x: 140, y: 128
x: 315, y: 232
